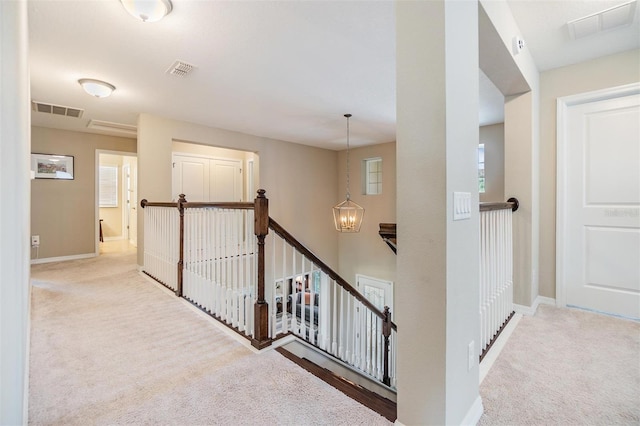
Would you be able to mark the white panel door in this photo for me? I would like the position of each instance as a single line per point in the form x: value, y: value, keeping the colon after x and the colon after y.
x: 226, y: 180
x: 190, y: 177
x: 601, y: 255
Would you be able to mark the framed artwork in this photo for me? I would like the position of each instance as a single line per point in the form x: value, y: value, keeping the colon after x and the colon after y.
x: 50, y: 166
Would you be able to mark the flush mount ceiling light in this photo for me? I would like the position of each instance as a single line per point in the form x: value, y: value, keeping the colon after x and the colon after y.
x: 97, y: 88
x: 148, y: 10
x: 347, y: 216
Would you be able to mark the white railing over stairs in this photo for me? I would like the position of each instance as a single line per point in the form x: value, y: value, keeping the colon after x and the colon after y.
x: 219, y: 273
x: 237, y: 264
x: 496, y: 268
x: 311, y: 301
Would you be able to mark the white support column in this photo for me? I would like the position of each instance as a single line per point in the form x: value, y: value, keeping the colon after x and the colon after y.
x: 15, y: 193
x: 437, y: 136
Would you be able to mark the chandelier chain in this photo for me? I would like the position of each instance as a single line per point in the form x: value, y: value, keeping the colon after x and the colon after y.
x: 348, y: 163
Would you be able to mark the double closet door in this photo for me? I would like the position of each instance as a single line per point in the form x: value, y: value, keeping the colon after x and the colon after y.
x: 207, y: 179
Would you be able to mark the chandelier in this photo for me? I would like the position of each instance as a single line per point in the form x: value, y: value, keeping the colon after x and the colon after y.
x: 347, y: 216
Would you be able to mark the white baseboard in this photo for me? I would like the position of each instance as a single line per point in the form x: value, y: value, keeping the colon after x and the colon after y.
x: 62, y: 258
x: 474, y: 413
x: 531, y: 310
x: 116, y: 238
x: 472, y: 417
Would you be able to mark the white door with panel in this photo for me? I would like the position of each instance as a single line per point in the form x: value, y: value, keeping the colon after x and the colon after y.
x: 207, y: 179
x: 599, y: 205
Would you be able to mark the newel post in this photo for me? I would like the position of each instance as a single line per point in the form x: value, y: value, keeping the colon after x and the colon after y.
x: 181, y: 203
x: 261, y: 308
x: 386, y: 333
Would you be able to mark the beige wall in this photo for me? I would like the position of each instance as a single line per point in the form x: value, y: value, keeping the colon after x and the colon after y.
x: 112, y: 216
x: 300, y: 180
x: 63, y: 211
x: 610, y: 71
x: 493, y: 139
x: 365, y: 252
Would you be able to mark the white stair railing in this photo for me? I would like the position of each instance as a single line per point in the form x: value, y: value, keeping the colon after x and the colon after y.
x: 235, y: 263
x: 306, y: 299
x: 219, y: 272
x: 496, y: 268
x: 161, y: 242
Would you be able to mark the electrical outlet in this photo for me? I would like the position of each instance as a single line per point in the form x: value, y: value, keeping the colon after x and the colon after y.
x: 35, y: 241
x: 471, y: 355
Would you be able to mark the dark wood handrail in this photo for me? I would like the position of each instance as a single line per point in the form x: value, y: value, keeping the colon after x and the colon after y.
x: 197, y: 204
x: 228, y: 205
x: 325, y: 268
x: 144, y: 203
x: 512, y: 203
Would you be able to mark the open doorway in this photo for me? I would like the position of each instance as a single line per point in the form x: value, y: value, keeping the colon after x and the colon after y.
x: 116, y: 202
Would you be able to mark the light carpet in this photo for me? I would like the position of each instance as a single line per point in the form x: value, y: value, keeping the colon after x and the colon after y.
x: 566, y: 367
x: 110, y: 347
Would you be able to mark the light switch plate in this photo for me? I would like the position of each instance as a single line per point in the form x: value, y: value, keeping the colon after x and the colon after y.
x: 461, y: 205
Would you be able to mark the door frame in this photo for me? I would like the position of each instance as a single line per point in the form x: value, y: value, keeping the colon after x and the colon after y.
x: 96, y: 180
x: 562, y: 157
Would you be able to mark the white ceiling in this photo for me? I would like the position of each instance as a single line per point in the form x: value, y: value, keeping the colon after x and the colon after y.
x: 286, y: 70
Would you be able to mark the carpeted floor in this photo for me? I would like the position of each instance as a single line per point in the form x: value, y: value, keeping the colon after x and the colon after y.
x: 110, y: 347
x: 566, y: 367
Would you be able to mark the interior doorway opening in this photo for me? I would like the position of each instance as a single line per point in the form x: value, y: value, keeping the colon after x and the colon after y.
x: 116, y: 202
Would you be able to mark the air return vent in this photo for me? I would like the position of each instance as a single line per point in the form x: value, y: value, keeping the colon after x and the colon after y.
x: 180, y: 69
x: 614, y: 17
x: 112, y: 127
x: 56, y: 109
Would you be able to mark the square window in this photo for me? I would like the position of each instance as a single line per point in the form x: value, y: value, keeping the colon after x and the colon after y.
x: 372, y: 176
x: 481, y: 179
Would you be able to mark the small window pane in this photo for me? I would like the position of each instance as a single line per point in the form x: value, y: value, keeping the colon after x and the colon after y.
x: 372, y: 179
x: 108, y: 186
x: 481, y: 179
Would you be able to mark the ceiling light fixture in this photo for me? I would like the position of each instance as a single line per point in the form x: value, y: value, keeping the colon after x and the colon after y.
x: 97, y: 88
x: 148, y: 10
x: 347, y: 216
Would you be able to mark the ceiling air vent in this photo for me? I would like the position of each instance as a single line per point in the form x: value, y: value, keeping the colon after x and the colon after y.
x: 614, y: 17
x: 180, y: 69
x: 56, y: 109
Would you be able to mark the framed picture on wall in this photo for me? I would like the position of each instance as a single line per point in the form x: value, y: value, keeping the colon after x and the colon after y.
x: 51, y: 166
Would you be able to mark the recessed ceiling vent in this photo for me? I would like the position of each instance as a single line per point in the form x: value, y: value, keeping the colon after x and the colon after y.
x: 56, y: 109
x: 180, y: 69
x: 109, y: 126
x: 608, y: 19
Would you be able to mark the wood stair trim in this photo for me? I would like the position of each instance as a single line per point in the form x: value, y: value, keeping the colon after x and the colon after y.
x: 388, y: 234
x: 372, y: 400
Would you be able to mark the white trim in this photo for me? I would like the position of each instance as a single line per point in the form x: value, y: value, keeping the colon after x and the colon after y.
x: 62, y: 258
x: 531, y: 310
x: 116, y: 238
x: 563, y: 104
x: 474, y: 413
x: 471, y: 418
